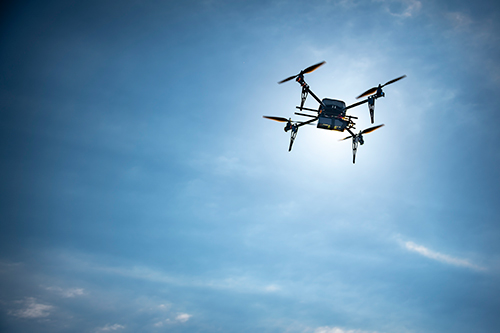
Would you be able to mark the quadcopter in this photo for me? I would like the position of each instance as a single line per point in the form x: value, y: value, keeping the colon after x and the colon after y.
x: 331, y: 113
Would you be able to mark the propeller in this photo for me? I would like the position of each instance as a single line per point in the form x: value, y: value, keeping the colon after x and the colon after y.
x: 305, y: 71
x: 280, y: 119
x: 371, y: 129
x: 374, y: 89
x: 367, y: 130
x: 298, y: 123
x: 291, y: 125
x: 358, y: 139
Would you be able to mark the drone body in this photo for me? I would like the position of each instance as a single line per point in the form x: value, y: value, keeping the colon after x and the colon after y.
x: 331, y: 113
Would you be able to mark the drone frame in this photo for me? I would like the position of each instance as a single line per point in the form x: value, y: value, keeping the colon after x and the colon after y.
x: 346, y: 121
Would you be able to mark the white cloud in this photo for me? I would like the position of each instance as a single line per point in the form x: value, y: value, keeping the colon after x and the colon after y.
x: 164, y: 307
x: 327, y: 329
x: 180, y: 318
x: 183, y: 317
x: 444, y: 258
x: 109, y: 328
x: 73, y: 292
x: 68, y: 293
x: 32, y: 309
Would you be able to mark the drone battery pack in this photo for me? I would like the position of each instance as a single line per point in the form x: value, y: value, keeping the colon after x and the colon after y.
x: 334, y: 124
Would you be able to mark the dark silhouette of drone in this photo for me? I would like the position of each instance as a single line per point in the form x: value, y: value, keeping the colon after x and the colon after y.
x: 331, y: 113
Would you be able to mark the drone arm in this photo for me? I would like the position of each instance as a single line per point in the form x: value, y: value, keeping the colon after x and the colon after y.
x: 307, y: 109
x: 295, y: 129
x: 305, y: 115
x: 356, y: 104
x: 307, y: 122
x: 314, y: 95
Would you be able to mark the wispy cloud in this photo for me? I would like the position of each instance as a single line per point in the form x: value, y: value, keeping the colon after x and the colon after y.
x: 459, y: 20
x: 109, y: 328
x: 327, y: 329
x: 444, y: 258
x: 180, y: 318
x: 402, y: 8
x: 32, y: 309
x: 67, y: 293
x: 237, y: 283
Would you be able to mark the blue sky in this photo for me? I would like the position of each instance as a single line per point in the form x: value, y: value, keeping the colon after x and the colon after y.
x: 144, y: 192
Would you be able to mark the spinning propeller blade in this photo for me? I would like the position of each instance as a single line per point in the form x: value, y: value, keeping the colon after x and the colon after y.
x: 371, y: 129
x: 305, y: 71
x: 373, y: 90
x: 365, y: 131
x: 392, y: 81
x: 280, y: 119
x: 370, y: 91
x: 288, y: 79
x: 313, y: 67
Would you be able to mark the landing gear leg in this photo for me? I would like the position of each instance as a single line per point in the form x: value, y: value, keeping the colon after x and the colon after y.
x: 303, y: 96
x: 371, y: 107
x: 354, y: 149
x: 293, y: 134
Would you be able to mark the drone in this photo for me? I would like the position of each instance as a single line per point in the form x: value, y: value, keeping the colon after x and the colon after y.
x: 331, y: 113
